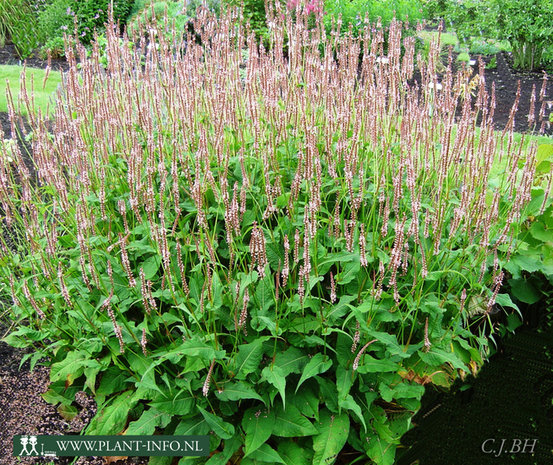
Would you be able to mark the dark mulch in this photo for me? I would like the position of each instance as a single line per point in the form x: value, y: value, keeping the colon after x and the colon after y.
x: 8, y: 56
x: 506, y: 83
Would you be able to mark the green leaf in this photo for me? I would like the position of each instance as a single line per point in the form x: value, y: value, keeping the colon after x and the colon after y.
x: 258, y: 426
x: 436, y: 357
x: 72, y: 367
x: 344, y: 381
x: 193, y: 425
x: 341, y: 308
x: 112, y: 418
x: 328, y: 393
x: 160, y: 460
x: 539, y: 232
x: 505, y: 301
x: 222, y: 458
x: 380, y: 451
x: 524, y: 291
x: 314, y: 367
x: 221, y: 428
x: 192, y: 348
x: 349, y: 404
x: 91, y: 373
x: 237, y: 391
x: 543, y: 168
x: 277, y: 378
x: 369, y: 364
x: 113, y: 380
x: 402, y: 390
x: 389, y: 340
x: 522, y: 262
x: 265, y: 454
x: 333, y: 433
x: 22, y: 336
x: 68, y: 412
x: 307, y: 399
x: 283, y: 200
x: 181, y: 404
x: 151, y: 266
x: 350, y: 272
x: 264, y: 295
x: 54, y: 398
x: 544, y: 152
x: 248, y: 358
x: 148, y: 422
x: 293, y: 454
x: 290, y: 423
x: 274, y: 255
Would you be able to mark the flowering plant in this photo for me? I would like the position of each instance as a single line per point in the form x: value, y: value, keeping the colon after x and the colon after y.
x: 292, y: 254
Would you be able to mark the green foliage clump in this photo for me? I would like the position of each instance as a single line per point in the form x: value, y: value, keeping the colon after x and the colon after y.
x: 177, y: 15
x: 353, y: 12
x: 18, y: 24
x: 82, y: 17
x: 434, y: 10
x: 531, y: 267
x: 254, y: 12
x: 527, y: 25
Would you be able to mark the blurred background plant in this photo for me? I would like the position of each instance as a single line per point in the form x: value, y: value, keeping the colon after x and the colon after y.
x: 526, y: 25
x: 80, y: 17
x: 353, y: 12
x: 18, y: 24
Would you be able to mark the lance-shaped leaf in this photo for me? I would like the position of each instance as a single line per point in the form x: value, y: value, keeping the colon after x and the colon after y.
x: 148, y: 422
x: 248, y: 358
x: 291, y: 361
x: 317, y: 365
x: 258, y: 426
x: 221, y: 428
x: 238, y: 391
x: 333, y: 433
x: 290, y: 423
x: 275, y: 375
x: 265, y: 454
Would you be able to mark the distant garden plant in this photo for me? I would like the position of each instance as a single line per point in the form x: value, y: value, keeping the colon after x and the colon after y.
x: 59, y: 17
x: 18, y: 24
x: 273, y: 251
x: 527, y: 25
x: 353, y: 12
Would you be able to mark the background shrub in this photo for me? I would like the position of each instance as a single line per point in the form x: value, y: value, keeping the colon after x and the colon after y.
x: 528, y: 26
x: 18, y: 24
x: 178, y: 14
x: 353, y: 12
x: 62, y: 16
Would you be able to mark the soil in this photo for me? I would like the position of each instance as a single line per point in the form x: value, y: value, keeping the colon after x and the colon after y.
x: 22, y: 409
x: 506, y: 81
x: 8, y: 56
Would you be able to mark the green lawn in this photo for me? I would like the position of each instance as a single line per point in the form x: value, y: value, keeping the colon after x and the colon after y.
x: 43, y: 96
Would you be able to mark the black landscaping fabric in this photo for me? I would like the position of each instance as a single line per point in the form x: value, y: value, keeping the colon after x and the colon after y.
x: 511, y: 399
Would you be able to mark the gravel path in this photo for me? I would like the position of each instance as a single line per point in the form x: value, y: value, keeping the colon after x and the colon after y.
x: 24, y: 411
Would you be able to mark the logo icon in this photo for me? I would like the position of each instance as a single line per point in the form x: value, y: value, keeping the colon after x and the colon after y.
x: 28, y: 445
x: 33, y: 441
x: 24, y: 441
